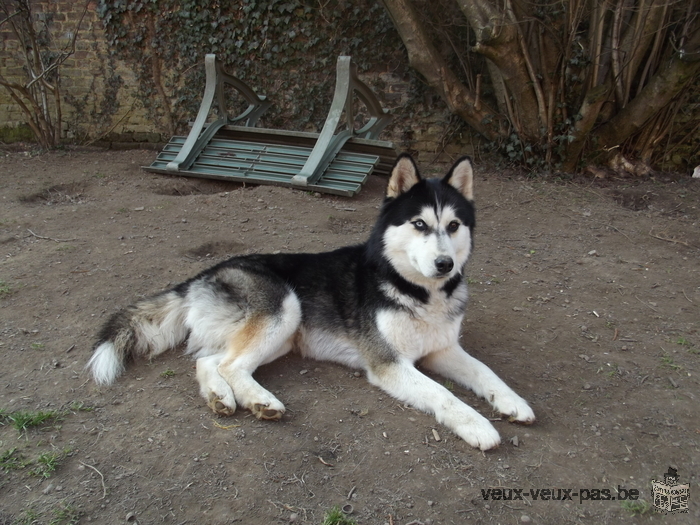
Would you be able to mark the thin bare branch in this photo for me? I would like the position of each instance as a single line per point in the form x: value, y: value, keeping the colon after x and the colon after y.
x: 615, y: 54
x: 535, y: 82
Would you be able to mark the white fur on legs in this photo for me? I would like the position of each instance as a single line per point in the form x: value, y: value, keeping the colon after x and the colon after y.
x: 260, y: 341
x: 249, y: 393
x: 402, y: 381
x: 457, y: 365
x: 215, y: 391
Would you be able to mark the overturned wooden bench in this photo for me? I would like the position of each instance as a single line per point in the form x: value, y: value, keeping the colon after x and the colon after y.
x: 338, y: 160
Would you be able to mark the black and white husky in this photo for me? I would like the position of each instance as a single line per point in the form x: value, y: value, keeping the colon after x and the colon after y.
x: 381, y: 306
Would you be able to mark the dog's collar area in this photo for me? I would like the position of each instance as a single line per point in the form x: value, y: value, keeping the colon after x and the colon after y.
x: 451, y: 285
x: 405, y: 287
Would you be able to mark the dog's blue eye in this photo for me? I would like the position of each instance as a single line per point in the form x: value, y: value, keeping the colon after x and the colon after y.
x: 453, y: 227
x: 420, y: 225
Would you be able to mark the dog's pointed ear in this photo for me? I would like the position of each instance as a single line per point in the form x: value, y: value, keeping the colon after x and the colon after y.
x: 404, y: 176
x: 461, y: 177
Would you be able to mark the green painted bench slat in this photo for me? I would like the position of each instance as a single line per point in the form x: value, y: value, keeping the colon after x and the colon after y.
x: 354, y: 167
x: 348, y: 162
x: 327, y: 186
x: 255, y: 163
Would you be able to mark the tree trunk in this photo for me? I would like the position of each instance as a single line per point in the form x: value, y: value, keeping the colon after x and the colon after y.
x: 573, y: 78
x: 424, y: 58
x: 661, y: 89
x: 499, y: 39
x: 590, y: 109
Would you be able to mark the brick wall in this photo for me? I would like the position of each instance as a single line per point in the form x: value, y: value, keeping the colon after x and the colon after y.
x: 96, y: 89
x: 98, y: 102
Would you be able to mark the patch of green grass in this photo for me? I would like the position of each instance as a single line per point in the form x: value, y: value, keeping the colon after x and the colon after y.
x: 47, y: 463
x: 167, y: 373
x: 37, y: 346
x: 636, y: 508
x: 449, y: 385
x: 79, y: 406
x: 613, y: 370
x: 5, y: 289
x: 28, y: 517
x: 682, y: 341
x: 23, y: 420
x: 66, y: 514
x: 11, y: 460
x: 335, y: 516
x: 667, y: 361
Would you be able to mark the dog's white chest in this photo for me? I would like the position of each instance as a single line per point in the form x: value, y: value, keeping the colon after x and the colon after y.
x: 415, y: 336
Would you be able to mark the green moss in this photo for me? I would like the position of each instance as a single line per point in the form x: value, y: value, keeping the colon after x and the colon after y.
x: 10, y: 134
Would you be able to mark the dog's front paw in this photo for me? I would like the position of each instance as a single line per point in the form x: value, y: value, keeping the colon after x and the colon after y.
x: 223, y: 405
x: 515, y: 407
x: 479, y: 433
x: 271, y: 411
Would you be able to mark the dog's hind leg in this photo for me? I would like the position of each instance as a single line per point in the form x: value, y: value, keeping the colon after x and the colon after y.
x: 262, y: 338
x: 457, y: 365
x: 401, y: 380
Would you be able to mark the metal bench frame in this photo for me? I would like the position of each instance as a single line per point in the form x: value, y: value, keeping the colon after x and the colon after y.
x: 216, y: 77
x: 327, y: 145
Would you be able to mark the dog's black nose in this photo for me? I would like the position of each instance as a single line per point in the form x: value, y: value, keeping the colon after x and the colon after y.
x: 444, y: 264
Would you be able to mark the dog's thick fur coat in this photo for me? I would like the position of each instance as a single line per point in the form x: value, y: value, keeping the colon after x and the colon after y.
x: 381, y: 306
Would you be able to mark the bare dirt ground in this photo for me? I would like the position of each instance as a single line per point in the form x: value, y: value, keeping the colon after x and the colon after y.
x: 585, y: 298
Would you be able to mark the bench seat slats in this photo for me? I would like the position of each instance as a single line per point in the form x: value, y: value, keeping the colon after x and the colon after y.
x: 334, y: 187
x: 243, y: 161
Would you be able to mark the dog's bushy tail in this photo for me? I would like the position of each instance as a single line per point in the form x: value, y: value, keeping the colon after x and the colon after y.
x: 148, y: 328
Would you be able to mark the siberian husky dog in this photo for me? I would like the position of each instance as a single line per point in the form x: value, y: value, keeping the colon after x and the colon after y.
x: 381, y: 306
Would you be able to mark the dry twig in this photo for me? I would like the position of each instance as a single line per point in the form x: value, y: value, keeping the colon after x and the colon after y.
x: 668, y: 239
x: 49, y: 238
x: 102, y: 478
x: 324, y: 462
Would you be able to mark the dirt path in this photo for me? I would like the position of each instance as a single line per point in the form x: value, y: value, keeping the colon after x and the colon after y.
x: 584, y: 298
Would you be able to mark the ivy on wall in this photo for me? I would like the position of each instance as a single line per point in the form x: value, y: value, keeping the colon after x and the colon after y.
x: 286, y: 49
